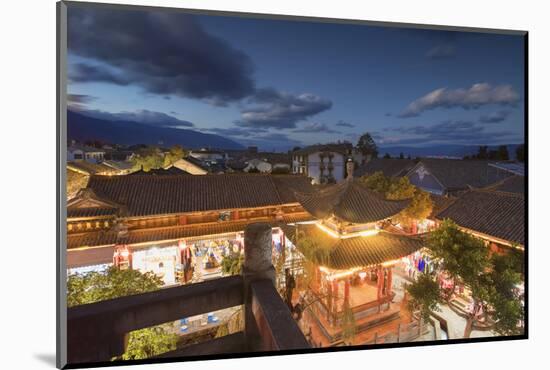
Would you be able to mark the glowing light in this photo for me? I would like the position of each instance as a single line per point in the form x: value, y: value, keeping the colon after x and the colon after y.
x: 336, y: 235
x: 182, y: 245
x: 125, y: 253
x: 338, y: 275
x: 362, y: 275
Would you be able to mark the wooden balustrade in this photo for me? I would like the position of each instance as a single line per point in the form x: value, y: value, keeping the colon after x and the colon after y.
x: 98, y: 332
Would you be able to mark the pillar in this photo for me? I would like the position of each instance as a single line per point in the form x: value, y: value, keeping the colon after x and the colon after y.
x: 390, y: 277
x: 257, y: 266
x: 346, y: 290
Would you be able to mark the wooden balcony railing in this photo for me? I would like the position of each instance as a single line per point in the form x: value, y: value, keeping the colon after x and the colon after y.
x: 98, y: 331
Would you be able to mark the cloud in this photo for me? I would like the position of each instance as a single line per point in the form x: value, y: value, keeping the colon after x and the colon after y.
x: 442, y: 51
x: 344, y: 124
x: 449, y: 131
x: 83, y: 72
x: 144, y: 116
x: 271, y: 108
x: 314, y: 127
x: 474, y: 97
x: 80, y: 98
x: 164, y: 53
x: 495, y: 117
x: 79, y: 101
x: 235, y: 131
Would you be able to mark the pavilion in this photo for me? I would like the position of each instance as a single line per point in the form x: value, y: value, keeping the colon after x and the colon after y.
x: 360, y: 254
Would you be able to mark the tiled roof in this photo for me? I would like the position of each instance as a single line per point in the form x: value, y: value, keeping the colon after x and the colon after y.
x: 494, y: 213
x: 361, y: 251
x: 440, y: 203
x: 145, y: 195
x: 455, y: 174
x: 99, y: 238
x: 390, y: 167
x: 161, y: 171
x: 90, y: 168
x: 75, y: 212
x: 350, y: 201
x: 514, y: 184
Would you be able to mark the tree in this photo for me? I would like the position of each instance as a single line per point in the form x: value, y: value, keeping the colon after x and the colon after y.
x: 465, y: 258
x: 502, y: 153
x: 146, y: 343
x: 483, y: 152
x: 377, y: 182
x: 419, y: 208
x: 520, y: 153
x: 232, y: 264
x: 424, y: 295
x: 401, y: 155
x: 367, y: 146
x: 421, y: 204
x: 148, y: 158
x: 504, y: 299
x: 387, y: 156
x: 349, y: 326
x: 174, y: 154
x: 113, y: 283
x: 400, y: 188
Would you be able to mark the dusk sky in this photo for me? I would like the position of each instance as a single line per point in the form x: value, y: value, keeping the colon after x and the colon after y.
x: 279, y: 84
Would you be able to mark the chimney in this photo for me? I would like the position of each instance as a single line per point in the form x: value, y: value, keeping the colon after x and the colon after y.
x: 349, y: 168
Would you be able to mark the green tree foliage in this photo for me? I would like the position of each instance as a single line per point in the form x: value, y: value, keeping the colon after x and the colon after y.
x: 94, y: 287
x: 463, y: 256
x: 367, y: 146
x: 349, y: 326
x: 419, y: 208
x: 232, y: 264
x: 491, y: 279
x: 503, y: 297
x: 114, y: 283
x: 153, y: 158
x: 377, y: 182
x: 146, y: 343
x: 400, y: 188
x: 424, y: 295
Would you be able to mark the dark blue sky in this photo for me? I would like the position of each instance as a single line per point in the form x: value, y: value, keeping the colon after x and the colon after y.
x: 279, y: 83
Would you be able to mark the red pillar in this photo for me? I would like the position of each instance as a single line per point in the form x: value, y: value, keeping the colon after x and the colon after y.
x: 335, y: 295
x: 379, y: 282
x: 390, y: 277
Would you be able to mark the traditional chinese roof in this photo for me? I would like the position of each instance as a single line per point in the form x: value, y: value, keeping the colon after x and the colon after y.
x: 159, y: 234
x: 350, y: 201
x: 88, y: 168
x: 455, y: 174
x: 513, y: 184
x: 145, y: 195
x: 161, y: 171
x: 390, y: 167
x: 494, y: 213
x: 86, y: 203
x: 360, y: 251
x: 440, y: 202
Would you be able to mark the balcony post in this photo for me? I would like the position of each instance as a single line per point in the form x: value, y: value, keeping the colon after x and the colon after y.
x: 257, y: 266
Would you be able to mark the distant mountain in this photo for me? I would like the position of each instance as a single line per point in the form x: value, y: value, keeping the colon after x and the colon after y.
x: 82, y: 128
x: 448, y: 150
